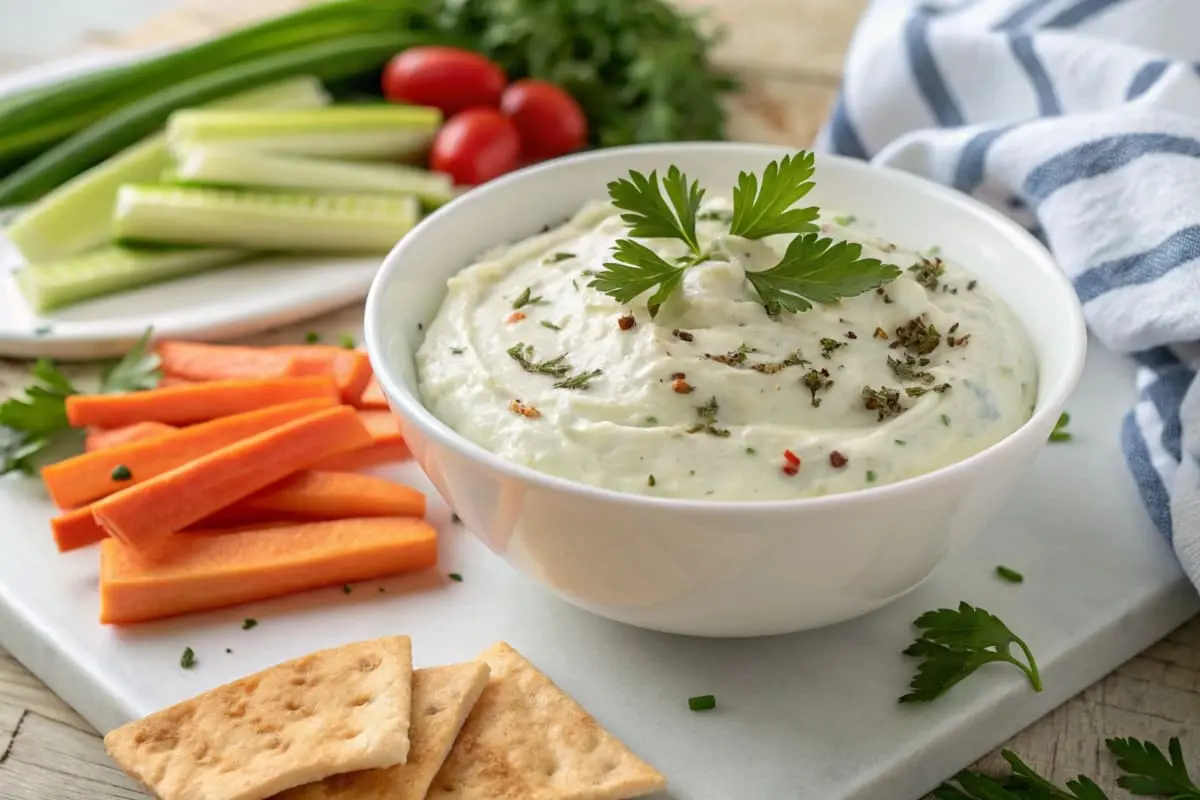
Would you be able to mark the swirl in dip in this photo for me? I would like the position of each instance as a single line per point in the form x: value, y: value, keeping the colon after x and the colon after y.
x: 714, y: 398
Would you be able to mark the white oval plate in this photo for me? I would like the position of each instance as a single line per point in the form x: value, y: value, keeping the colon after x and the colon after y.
x: 225, y: 303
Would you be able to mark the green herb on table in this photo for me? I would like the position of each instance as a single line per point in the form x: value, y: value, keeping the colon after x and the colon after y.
x: 704, y: 702
x: 248, y: 623
x: 312, y: 337
x: 456, y: 577
x: 651, y: 216
x: 954, y: 643
x: 121, y: 473
x: 766, y: 210
x: 1009, y: 574
x: 556, y: 367
x: 33, y: 427
x: 188, y: 659
x: 918, y: 391
x: 347, y: 341
x: 527, y: 298
x: 1060, y: 432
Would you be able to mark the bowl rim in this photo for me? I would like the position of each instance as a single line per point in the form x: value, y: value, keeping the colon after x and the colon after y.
x: 410, y: 406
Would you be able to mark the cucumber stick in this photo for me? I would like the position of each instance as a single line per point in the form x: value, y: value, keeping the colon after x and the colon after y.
x: 355, y: 132
x: 223, y: 165
x: 369, y: 223
x: 77, y: 216
x: 106, y: 270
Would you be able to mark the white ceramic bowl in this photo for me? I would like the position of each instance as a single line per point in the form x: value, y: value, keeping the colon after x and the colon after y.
x: 721, y: 568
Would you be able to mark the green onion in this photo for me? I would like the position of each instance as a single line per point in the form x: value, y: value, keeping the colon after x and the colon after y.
x: 704, y: 702
x: 1009, y: 574
x: 454, y: 576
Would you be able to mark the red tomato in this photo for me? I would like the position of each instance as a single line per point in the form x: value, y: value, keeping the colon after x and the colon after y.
x: 475, y: 146
x: 444, y: 77
x: 551, y: 123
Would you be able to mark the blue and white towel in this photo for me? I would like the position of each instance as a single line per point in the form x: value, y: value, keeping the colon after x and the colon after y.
x: 1080, y: 119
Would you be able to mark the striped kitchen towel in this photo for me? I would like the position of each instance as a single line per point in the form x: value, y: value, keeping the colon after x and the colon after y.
x: 1081, y: 120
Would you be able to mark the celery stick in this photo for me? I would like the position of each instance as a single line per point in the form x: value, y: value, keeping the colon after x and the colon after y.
x: 110, y: 269
x: 355, y: 132
x: 77, y: 216
x: 264, y: 220
x: 224, y: 165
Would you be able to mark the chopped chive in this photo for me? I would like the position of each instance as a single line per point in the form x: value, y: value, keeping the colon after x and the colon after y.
x: 188, y: 659
x: 458, y: 351
x: 559, y: 257
x: 870, y: 476
x: 346, y: 341
x: 121, y: 473
x: 454, y: 576
x: 1008, y: 574
x: 1060, y: 432
x: 551, y: 325
x: 946, y: 420
x: 312, y: 337
x: 249, y: 623
x: 750, y: 451
x: 900, y: 442
x: 704, y: 702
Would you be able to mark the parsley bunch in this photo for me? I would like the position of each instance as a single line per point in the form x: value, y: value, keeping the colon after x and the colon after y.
x: 1147, y: 772
x: 812, y: 270
x: 34, y: 427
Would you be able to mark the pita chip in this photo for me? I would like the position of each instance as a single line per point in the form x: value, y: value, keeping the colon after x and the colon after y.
x: 298, y: 722
x: 442, y: 697
x: 526, y: 740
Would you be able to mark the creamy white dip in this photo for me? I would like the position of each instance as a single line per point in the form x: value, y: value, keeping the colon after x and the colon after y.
x: 638, y: 427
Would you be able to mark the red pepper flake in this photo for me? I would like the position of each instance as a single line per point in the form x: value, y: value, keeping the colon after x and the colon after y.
x: 517, y: 407
x: 791, y: 458
x: 788, y: 469
x: 515, y: 316
x: 851, y: 335
x: 837, y: 460
x: 626, y: 322
x: 680, y: 385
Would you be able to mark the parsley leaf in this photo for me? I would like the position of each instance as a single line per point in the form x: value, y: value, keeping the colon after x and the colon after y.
x: 635, y: 269
x: 1149, y: 772
x: 816, y: 270
x: 647, y: 213
x: 956, y: 642
x: 1060, y: 432
x: 34, y: 428
x: 759, y: 212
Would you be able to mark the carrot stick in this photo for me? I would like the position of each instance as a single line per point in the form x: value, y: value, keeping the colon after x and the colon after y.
x: 144, y: 516
x: 366, y: 458
x: 172, y: 380
x: 214, y: 362
x: 89, y: 477
x: 351, y: 369
x: 383, y: 426
x: 104, y: 438
x: 304, y: 496
x: 198, y: 402
x: 207, y: 572
x: 372, y: 397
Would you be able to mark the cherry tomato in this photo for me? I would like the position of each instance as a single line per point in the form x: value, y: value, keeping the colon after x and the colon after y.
x: 444, y: 77
x: 475, y: 146
x: 551, y: 123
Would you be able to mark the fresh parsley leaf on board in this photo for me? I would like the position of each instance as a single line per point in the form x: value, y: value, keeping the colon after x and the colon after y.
x: 767, y: 210
x: 954, y: 643
x: 634, y: 269
x: 1150, y: 773
x: 33, y: 426
x: 816, y: 270
x: 649, y: 215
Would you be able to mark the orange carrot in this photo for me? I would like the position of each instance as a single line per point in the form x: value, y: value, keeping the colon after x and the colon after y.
x: 372, y: 397
x: 304, y: 496
x: 350, y: 368
x: 104, y: 438
x: 172, y: 380
x: 214, y: 362
x: 366, y: 458
x: 144, y: 516
x: 197, y: 402
x: 383, y: 425
x: 89, y: 477
x: 207, y: 572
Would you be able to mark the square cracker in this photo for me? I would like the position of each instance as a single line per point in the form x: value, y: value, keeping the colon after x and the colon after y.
x: 526, y: 740
x: 442, y: 698
x: 301, y: 721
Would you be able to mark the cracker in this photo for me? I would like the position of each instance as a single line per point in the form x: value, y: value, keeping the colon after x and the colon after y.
x: 442, y: 698
x: 301, y: 721
x: 526, y: 740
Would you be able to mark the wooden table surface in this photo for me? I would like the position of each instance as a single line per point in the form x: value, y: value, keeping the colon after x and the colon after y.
x: 789, y: 53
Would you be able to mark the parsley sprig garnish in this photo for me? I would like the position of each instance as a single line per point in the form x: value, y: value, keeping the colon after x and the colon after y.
x: 812, y: 270
x: 1147, y: 772
x: 956, y: 642
x: 33, y: 426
